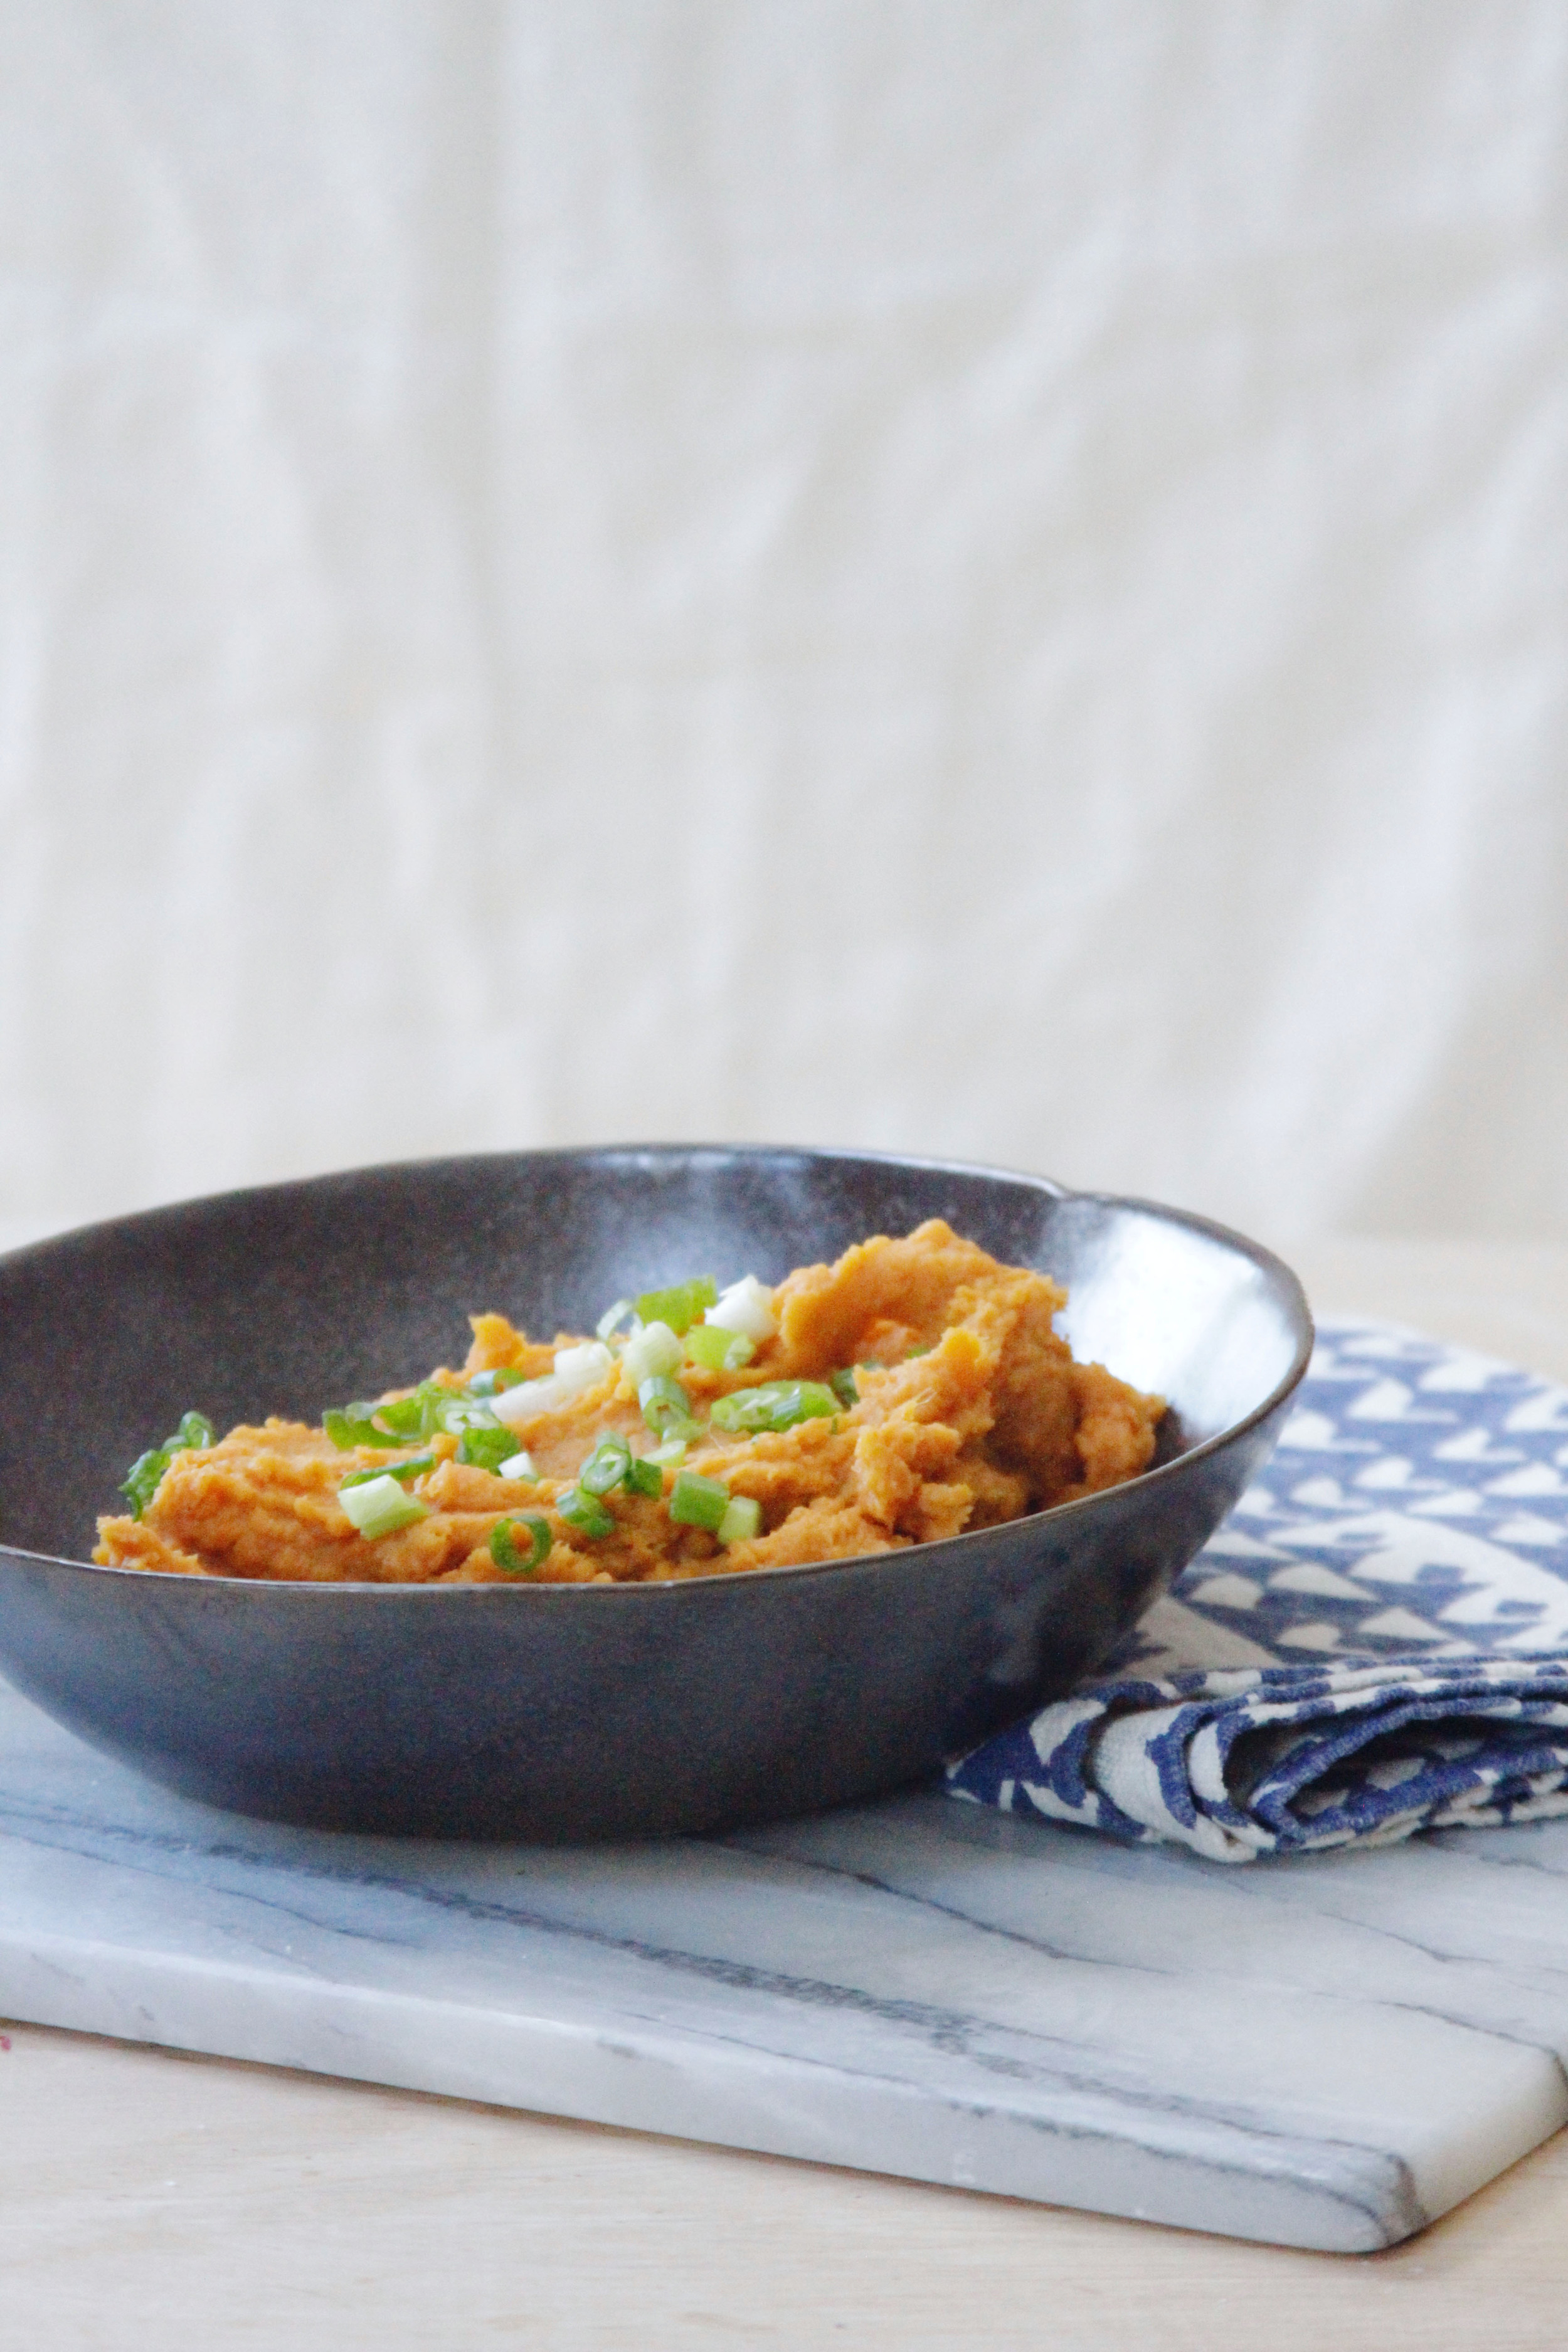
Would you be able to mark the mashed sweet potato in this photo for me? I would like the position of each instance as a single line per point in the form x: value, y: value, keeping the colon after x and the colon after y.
x: 953, y: 1404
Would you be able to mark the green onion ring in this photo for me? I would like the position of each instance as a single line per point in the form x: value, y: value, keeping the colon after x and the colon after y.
x: 505, y: 1553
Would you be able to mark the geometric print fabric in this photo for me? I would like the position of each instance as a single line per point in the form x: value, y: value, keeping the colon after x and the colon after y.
x: 1375, y: 1642
x: 1418, y: 1501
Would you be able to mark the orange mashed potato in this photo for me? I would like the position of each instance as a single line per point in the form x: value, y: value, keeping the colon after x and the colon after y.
x: 968, y: 1410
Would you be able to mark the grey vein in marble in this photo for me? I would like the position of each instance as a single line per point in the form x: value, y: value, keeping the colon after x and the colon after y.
x: 1325, y: 2051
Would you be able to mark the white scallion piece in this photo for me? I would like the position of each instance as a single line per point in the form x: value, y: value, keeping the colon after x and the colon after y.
x: 585, y: 1367
x: 654, y: 1352
x: 516, y: 1466
x: 379, y: 1507
x: 747, y: 1306
x: 576, y: 1368
x: 514, y: 1406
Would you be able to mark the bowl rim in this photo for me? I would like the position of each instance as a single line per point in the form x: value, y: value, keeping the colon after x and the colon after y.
x: 1286, y: 1281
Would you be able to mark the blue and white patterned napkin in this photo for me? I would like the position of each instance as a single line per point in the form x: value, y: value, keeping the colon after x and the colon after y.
x: 1374, y: 1643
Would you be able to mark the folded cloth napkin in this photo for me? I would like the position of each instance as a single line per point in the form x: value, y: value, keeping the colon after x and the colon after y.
x: 1374, y: 1643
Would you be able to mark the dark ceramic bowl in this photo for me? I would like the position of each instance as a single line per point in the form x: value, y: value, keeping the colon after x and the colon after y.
x: 552, y: 1712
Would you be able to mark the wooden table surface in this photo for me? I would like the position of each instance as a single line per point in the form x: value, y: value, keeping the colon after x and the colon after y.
x: 148, y: 2198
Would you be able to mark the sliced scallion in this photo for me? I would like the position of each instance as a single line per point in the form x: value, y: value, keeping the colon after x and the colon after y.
x: 747, y: 1306
x: 488, y: 1384
x: 576, y: 1368
x: 741, y: 1521
x: 718, y: 1351
x: 585, y: 1513
x: 521, y: 1402
x: 582, y: 1367
x: 352, y: 1425
x: 411, y: 1420
x: 504, y: 1545
x: 669, y: 1456
x: 402, y: 1470
x: 486, y: 1448
x: 650, y: 1353
x: 777, y: 1404
x: 405, y: 1415
x: 680, y: 1305
x: 468, y: 1413
x: 145, y: 1475
x: 612, y: 1464
x: 606, y: 1466
x: 143, y: 1478
x: 516, y: 1465
x: 613, y: 1318
x: 379, y: 1507
x: 666, y: 1407
x: 699, y: 1502
x: 433, y: 1407
x: 844, y: 1388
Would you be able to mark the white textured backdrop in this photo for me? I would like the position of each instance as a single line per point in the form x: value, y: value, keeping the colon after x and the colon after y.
x: 942, y: 574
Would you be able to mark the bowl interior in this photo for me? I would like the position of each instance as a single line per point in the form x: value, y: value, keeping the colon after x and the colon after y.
x: 298, y: 1296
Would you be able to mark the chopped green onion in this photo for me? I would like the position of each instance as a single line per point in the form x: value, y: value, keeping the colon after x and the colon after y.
x: 405, y: 1415
x: 402, y: 1470
x: 145, y: 1475
x: 681, y: 1305
x: 585, y: 1513
x: 354, y: 1426
x: 488, y: 1384
x: 666, y: 1407
x: 612, y: 1317
x: 651, y: 1352
x: 699, y: 1502
x: 379, y: 1507
x: 777, y: 1404
x: 487, y: 1448
x: 644, y: 1475
x: 452, y: 1410
x: 518, y: 1465
x: 504, y: 1550
x: 606, y: 1466
x: 844, y: 1388
x: 706, y: 1347
x: 467, y: 1413
x: 143, y: 1478
x: 669, y: 1456
x: 747, y: 1305
x: 431, y: 1408
x: 410, y: 1419
x: 718, y: 1351
x: 741, y: 1520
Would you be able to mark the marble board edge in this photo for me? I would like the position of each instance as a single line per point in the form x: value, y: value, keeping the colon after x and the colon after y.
x: 1329, y: 2198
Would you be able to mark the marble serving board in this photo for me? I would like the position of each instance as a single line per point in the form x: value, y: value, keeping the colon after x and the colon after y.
x: 1324, y: 2051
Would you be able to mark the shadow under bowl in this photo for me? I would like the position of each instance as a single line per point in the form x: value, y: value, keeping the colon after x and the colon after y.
x: 570, y: 1713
